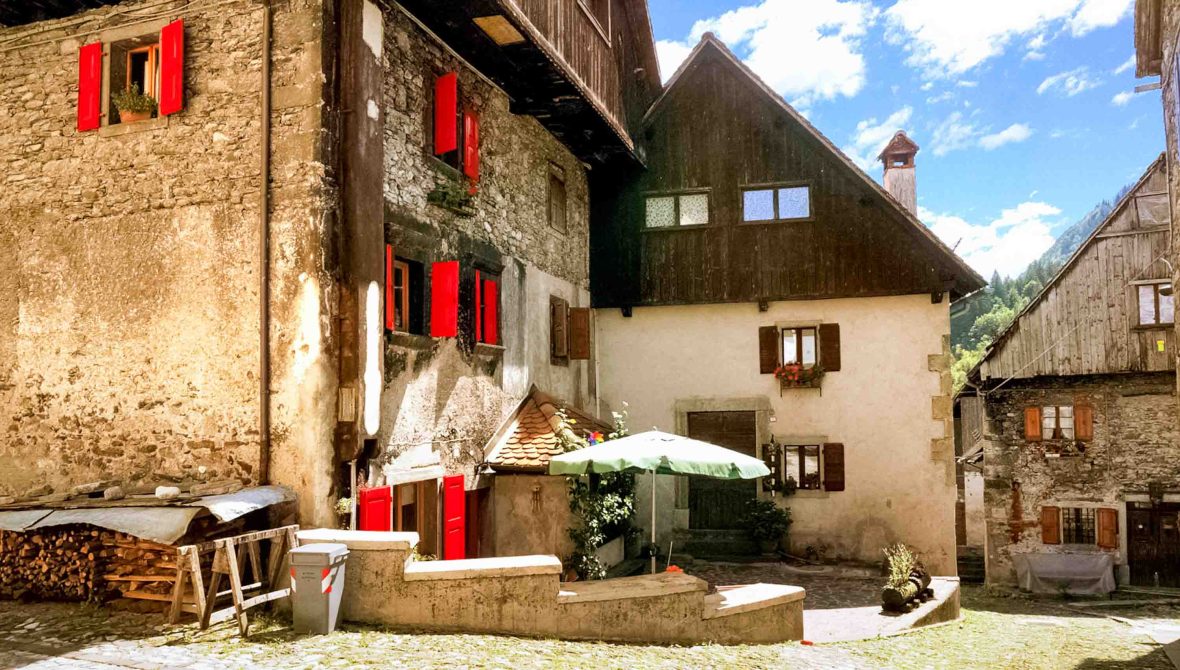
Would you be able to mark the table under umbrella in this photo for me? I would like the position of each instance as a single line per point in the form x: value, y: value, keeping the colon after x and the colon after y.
x: 660, y: 454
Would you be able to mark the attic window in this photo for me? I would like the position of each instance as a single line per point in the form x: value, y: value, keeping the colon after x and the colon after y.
x: 783, y: 203
x: 1156, y: 305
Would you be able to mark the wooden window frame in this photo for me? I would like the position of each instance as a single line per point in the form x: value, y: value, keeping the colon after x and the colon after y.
x: 153, y: 52
x: 603, y: 31
x: 555, y: 172
x: 774, y: 189
x: 798, y: 345
x: 1079, y: 525
x: 676, y: 195
x: 799, y: 476
x: 401, y: 297
x: 1057, y: 422
x: 1156, y: 324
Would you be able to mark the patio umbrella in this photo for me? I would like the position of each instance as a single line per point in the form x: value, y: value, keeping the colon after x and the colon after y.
x: 660, y: 454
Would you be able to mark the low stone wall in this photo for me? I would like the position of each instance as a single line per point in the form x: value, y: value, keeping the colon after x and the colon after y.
x: 523, y: 595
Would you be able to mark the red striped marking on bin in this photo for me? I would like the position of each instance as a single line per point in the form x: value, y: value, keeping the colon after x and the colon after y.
x: 326, y: 580
x: 292, y: 580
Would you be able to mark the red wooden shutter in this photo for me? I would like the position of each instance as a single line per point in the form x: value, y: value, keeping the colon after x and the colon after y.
x: 171, y: 68
x: 390, y: 300
x: 833, y: 466
x: 1083, y: 422
x: 829, y: 347
x: 491, y: 303
x: 1108, y: 528
x: 375, y: 509
x: 471, y: 147
x: 446, y: 111
x: 580, y: 343
x: 769, y: 349
x: 454, y: 518
x: 1051, y: 525
x: 478, y: 308
x: 1032, y: 424
x: 444, y: 299
x: 89, y: 86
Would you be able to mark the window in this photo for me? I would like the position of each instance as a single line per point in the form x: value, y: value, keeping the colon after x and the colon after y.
x: 1077, y: 525
x: 667, y: 211
x: 407, y: 296
x: 1155, y: 304
x: 1057, y: 422
x: 776, y: 204
x: 599, y: 13
x: 149, y: 65
x: 557, y: 213
x: 801, y: 463
x: 487, y: 308
x: 799, y: 346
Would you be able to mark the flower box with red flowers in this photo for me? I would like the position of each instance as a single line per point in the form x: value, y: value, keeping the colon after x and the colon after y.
x: 793, y: 375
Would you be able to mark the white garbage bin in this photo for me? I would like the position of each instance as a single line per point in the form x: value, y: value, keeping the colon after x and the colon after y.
x: 317, y: 586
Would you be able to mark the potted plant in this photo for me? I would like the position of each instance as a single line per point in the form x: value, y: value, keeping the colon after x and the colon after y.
x: 344, y: 513
x: 133, y: 105
x: 794, y: 375
x: 767, y: 523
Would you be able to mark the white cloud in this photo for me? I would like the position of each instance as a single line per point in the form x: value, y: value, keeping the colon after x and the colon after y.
x: 1070, y: 83
x: 671, y: 55
x: 1121, y: 98
x: 927, y: 86
x: 1127, y: 65
x: 1017, y: 132
x: 953, y: 134
x: 946, y: 39
x: 872, y: 136
x: 1006, y: 244
x: 966, y: 84
x: 941, y: 97
x: 774, y: 36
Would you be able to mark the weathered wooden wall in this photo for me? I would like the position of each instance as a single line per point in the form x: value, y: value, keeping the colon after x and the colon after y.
x: 1086, y: 322
x: 718, y: 130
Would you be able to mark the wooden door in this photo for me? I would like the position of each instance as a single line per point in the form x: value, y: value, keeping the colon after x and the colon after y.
x: 718, y: 504
x: 1153, y: 547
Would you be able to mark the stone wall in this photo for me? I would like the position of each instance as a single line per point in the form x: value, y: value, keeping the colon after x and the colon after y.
x: 445, y: 392
x: 1135, y: 443
x: 129, y: 257
x: 1170, y: 95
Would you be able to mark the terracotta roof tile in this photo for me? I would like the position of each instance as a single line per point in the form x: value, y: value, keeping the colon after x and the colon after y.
x: 532, y: 439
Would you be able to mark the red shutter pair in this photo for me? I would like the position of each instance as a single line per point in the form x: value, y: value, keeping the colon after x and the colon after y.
x: 171, y: 77
x: 446, y: 126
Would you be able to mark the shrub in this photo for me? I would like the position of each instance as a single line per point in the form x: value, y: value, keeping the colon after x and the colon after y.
x: 900, y: 562
x: 766, y: 521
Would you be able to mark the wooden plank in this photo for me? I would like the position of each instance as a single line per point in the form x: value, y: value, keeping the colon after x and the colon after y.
x: 235, y: 579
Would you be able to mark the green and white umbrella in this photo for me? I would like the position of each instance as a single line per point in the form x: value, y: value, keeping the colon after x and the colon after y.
x: 660, y: 454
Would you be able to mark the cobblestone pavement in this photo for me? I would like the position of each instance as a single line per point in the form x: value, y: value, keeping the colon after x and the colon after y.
x: 996, y: 632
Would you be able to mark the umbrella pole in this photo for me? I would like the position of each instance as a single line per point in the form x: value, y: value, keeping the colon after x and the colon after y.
x: 653, y: 522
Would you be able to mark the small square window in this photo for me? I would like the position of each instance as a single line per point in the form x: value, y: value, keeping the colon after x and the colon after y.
x: 1057, y: 422
x: 409, y: 297
x: 1156, y: 305
x: 134, y: 77
x: 801, y: 463
x: 799, y: 346
x: 667, y: 211
x: 776, y: 204
x: 1077, y: 525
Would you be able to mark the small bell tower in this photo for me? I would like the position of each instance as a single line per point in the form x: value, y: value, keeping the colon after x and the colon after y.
x: 900, y: 181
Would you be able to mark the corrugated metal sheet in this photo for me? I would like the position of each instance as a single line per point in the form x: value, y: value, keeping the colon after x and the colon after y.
x: 21, y: 519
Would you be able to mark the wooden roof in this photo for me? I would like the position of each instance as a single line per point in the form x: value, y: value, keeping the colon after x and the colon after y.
x: 21, y: 12
x: 1082, y: 320
x: 529, y: 436
x: 900, y: 144
x: 1148, y: 39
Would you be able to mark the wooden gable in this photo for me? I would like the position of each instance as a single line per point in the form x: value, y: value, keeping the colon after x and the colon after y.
x: 1085, y: 321
x: 716, y: 129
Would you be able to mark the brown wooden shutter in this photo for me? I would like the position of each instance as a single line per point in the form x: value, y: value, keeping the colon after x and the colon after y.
x: 558, y: 327
x: 1083, y: 422
x: 1051, y: 525
x: 1032, y: 424
x: 829, y: 346
x: 833, y: 466
x: 1108, y: 528
x: 769, y: 349
x: 579, y: 333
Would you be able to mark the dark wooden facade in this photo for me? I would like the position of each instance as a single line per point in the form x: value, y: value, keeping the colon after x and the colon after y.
x: 717, y: 129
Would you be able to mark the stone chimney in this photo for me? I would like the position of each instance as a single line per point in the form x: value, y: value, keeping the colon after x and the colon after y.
x: 900, y: 182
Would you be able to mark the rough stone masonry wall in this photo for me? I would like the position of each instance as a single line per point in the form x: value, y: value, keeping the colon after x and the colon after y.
x: 1170, y: 94
x: 1135, y: 443
x: 128, y: 255
x: 436, y: 390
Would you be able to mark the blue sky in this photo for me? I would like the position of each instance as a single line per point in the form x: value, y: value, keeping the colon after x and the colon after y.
x: 1024, y: 109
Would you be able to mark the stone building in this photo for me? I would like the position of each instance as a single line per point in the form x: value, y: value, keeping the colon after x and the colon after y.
x: 779, y: 302
x: 1080, y: 433
x: 348, y: 232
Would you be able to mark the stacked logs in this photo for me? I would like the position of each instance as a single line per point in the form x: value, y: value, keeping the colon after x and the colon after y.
x: 60, y: 563
x: 917, y: 587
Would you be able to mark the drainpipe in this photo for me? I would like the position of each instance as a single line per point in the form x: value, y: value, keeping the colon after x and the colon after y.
x: 264, y: 260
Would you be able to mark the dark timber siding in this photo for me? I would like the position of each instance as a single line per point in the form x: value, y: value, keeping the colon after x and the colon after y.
x: 718, y: 130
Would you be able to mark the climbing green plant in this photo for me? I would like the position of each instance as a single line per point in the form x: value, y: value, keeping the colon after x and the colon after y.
x: 602, y: 504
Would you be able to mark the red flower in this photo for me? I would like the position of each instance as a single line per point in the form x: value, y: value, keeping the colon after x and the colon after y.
x: 673, y: 568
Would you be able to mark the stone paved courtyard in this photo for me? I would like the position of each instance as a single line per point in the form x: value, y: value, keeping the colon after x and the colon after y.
x: 995, y: 632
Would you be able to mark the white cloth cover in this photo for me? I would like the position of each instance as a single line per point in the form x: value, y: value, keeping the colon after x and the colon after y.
x: 1082, y: 574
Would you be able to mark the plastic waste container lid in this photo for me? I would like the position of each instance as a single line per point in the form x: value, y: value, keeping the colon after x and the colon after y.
x: 318, y: 554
